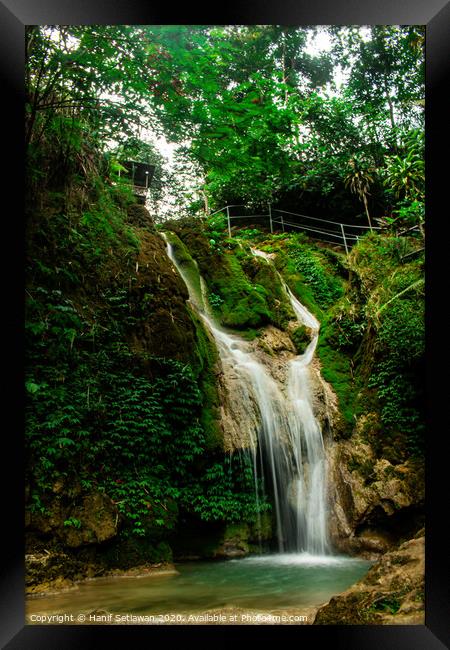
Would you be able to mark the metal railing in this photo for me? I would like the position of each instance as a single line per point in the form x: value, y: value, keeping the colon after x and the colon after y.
x: 332, y: 232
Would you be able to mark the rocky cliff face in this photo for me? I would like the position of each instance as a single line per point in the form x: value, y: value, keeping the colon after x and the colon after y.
x: 374, y: 504
x: 392, y: 593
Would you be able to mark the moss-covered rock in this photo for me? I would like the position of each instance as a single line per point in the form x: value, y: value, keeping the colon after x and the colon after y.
x: 301, y: 337
x: 158, y: 297
x: 242, y: 539
x: 76, y: 521
x: 188, y: 267
x: 138, y: 215
x: 247, y: 294
x: 235, y: 542
x: 264, y: 274
x: 206, y: 368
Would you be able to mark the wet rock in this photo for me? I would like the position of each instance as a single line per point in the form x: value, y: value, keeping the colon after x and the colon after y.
x: 374, y: 504
x: 392, y: 592
x: 239, y: 418
x: 274, y: 340
x: 239, y: 412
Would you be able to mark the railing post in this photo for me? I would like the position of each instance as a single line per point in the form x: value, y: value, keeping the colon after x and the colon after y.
x: 270, y: 218
x: 282, y: 222
x: 343, y: 237
x: 229, y: 223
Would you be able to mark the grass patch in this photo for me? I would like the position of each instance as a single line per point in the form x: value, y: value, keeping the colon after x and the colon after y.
x: 336, y: 370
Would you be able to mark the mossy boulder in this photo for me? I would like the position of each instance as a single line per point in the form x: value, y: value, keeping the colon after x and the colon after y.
x: 239, y: 302
x: 239, y: 540
x: 262, y: 273
x: 235, y: 542
x: 88, y: 519
x: 301, y: 337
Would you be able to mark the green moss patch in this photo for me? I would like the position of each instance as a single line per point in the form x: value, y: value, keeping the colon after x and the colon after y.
x: 301, y: 339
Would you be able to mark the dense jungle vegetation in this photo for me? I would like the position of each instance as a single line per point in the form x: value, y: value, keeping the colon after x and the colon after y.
x: 121, y: 380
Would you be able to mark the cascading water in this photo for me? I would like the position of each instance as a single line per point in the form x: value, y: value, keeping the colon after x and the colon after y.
x: 286, y: 441
x: 308, y: 525
x: 308, y: 445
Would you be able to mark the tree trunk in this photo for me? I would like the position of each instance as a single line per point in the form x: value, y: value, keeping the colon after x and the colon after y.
x: 205, y: 200
x: 367, y: 211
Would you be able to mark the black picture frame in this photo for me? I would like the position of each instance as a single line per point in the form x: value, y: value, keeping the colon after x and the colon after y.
x: 14, y: 15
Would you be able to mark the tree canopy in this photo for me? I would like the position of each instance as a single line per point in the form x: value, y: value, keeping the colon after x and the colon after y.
x: 262, y: 115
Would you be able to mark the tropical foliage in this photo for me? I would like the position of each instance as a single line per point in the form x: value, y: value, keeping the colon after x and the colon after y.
x: 260, y: 117
x: 115, y: 403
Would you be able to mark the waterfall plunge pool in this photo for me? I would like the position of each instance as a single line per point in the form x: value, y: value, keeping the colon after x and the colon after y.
x: 262, y: 584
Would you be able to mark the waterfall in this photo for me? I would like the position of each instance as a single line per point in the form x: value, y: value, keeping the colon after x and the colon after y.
x: 278, y: 423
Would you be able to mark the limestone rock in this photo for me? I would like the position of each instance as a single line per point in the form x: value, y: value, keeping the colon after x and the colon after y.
x: 274, y: 340
x: 374, y: 504
x: 392, y: 592
x: 238, y: 412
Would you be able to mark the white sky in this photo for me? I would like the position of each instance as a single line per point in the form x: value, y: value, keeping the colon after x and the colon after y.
x: 320, y: 42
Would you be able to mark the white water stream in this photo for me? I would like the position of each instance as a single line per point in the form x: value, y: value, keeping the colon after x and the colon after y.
x: 287, y: 446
